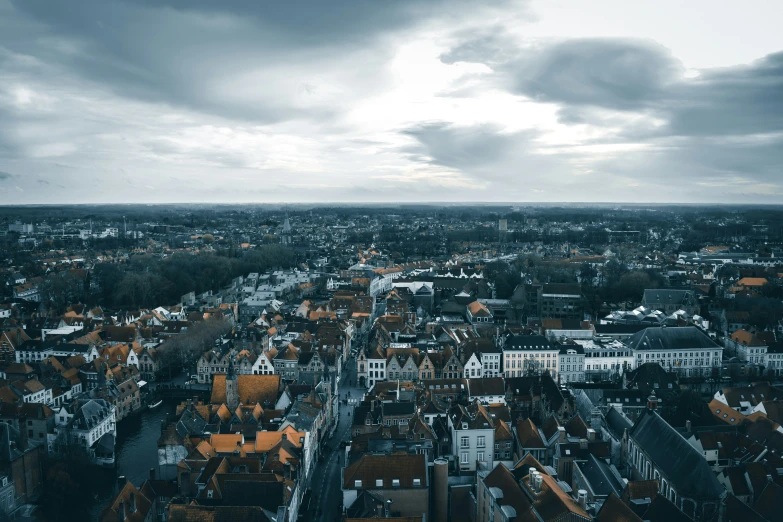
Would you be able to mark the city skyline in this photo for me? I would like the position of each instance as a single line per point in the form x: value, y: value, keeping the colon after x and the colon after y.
x: 409, y: 101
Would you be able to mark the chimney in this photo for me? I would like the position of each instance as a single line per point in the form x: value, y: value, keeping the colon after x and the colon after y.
x: 388, y: 508
x: 133, y: 502
x: 152, y: 473
x: 121, y: 510
x: 379, y: 510
x: 531, y: 477
x: 595, y: 419
x: 284, y: 436
x: 539, y: 481
x: 121, y: 481
x: 590, y: 435
x: 582, y: 499
x: 583, y: 444
x: 652, y: 402
x: 688, y: 425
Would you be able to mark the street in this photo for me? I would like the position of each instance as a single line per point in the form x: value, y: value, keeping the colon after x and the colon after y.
x: 326, y: 482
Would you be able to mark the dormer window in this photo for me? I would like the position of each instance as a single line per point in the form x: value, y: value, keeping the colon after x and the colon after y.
x: 378, y: 483
x: 395, y: 483
x: 417, y: 482
x: 357, y: 483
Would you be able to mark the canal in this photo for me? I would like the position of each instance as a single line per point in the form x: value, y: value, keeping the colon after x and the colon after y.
x: 136, y: 451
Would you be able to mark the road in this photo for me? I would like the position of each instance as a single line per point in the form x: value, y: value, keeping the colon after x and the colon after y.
x: 326, y: 482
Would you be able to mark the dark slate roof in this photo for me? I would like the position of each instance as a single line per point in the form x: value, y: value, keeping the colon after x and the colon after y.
x: 398, y: 408
x: 680, y: 462
x: 528, y: 342
x: 667, y: 296
x: 600, y: 476
x: 671, y: 338
x: 618, y: 329
x: 617, y: 423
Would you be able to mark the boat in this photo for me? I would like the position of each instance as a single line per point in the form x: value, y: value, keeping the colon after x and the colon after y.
x: 155, y: 404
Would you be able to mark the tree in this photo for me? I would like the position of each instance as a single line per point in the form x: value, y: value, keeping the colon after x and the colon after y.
x: 208, y: 238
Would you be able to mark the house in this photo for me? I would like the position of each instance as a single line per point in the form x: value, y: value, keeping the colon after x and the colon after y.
x: 478, y: 313
x: 21, y: 460
x: 489, y: 390
x: 670, y: 300
x: 131, y: 504
x: 401, y: 478
x: 10, y: 342
x: 571, y: 362
x: 685, y: 350
x: 506, y: 496
x: 529, y: 355
x: 472, y: 436
x: 560, y: 301
x: 89, y: 428
x: 747, y: 347
x: 656, y: 451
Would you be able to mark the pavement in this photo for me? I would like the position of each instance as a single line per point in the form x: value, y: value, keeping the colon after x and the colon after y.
x: 326, y: 481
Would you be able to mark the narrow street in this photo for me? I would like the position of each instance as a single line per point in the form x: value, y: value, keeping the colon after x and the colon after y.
x: 326, y: 483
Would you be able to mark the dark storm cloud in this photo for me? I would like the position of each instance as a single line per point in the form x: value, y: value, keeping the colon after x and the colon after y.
x: 617, y: 74
x: 634, y: 75
x: 733, y: 100
x: 228, y: 58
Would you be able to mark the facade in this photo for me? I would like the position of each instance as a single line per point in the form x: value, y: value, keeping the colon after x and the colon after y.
x: 529, y: 355
x: 686, y: 350
x: 92, y: 428
x: 747, y: 347
x: 571, y: 362
x: 560, y: 301
x: 606, y: 361
x: 472, y: 436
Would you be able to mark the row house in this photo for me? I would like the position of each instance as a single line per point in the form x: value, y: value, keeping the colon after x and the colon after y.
x: 473, y: 436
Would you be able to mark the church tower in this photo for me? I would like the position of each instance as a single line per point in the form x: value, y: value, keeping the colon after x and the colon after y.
x: 286, y: 236
x: 232, y: 389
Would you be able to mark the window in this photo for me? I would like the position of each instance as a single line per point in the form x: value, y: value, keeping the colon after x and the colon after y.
x: 464, y: 442
x: 417, y: 482
x: 378, y: 483
x: 395, y: 483
x: 480, y: 455
x: 464, y: 457
x: 481, y: 441
x: 357, y: 483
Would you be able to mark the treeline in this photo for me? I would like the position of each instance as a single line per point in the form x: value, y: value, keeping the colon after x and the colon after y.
x: 148, y: 280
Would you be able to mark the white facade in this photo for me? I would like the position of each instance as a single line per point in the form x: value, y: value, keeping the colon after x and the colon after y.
x: 263, y: 366
x: 470, y: 446
x: 473, y: 368
x: 376, y: 371
x: 571, y: 366
x: 491, y: 364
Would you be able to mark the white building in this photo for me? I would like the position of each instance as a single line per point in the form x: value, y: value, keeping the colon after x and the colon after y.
x: 529, y: 355
x: 93, y: 427
x: 473, y: 367
x: 472, y: 436
x: 571, y: 361
x: 686, y: 349
x: 604, y: 359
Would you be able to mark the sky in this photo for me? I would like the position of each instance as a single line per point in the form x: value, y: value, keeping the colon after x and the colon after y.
x: 156, y: 101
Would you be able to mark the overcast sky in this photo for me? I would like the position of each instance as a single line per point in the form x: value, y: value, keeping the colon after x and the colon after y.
x: 108, y: 101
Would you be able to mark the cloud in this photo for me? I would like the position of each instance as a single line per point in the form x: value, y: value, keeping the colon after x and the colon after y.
x: 350, y: 100
x: 622, y: 74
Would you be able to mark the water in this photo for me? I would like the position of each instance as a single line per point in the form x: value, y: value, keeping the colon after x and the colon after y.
x: 136, y: 451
